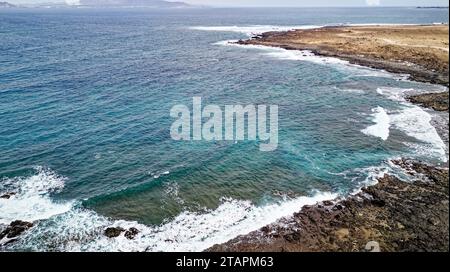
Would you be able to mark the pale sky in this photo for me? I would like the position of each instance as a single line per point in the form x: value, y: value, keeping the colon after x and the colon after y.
x: 289, y: 3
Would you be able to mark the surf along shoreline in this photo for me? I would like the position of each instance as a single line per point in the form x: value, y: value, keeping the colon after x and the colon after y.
x: 393, y: 215
x: 409, y: 213
x: 421, y: 51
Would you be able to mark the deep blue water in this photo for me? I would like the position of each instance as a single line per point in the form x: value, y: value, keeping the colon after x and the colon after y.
x: 85, y: 97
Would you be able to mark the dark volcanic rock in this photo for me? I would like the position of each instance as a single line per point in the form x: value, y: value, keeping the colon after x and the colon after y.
x: 15, y: 229
x: 7, y: 195
x: 113, y: 232
x: 131, y: 233
x: 392, y: 215
x: 436, y: 101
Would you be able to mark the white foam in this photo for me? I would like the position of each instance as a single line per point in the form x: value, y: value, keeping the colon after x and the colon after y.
x: 252, y: 29
x: 283, y: 54
x: 373, y: 174
x: 304, y: 56
x: 352, y: 91
x: 353, y: 70
x: 382, y: 124
x: 81, y: 230
x: 395, y: 94
x: 32, y: 200
x: 416, y: 123
x: 400, y: 94
x: 66, y: 226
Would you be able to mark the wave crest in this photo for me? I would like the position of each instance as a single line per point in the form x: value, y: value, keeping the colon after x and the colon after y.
x: 31, y: 200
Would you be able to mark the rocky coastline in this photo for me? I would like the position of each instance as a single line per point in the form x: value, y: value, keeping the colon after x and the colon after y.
x: 393, y: 215
x: 419, y: 51
x: 435, y: 101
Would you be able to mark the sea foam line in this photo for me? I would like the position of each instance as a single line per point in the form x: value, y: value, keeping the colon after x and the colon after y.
x: 279, y: 53
x: 299, y: 55
x: 415, y: 122
x: 31, y: 200
x: 252, y: 30
x: 412, y: 119
x: 67, y: 226
x: 382, y: 124
x: 80, y: 229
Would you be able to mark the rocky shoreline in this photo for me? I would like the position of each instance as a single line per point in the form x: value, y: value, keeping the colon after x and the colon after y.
x: 393, y: 215
x: 389, y: 48
x: 11, y: 233
x: 435, y: 101
x: 419, y: 51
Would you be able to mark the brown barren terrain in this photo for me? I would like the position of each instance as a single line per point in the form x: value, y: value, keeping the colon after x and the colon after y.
x: 421, y: 51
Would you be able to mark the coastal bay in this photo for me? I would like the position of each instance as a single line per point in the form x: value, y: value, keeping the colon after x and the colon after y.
x: 88, y: 162
x: 408, y: 213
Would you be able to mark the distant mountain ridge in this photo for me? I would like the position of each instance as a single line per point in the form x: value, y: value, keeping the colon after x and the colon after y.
x: 132, y: 3
x: 7, y: 5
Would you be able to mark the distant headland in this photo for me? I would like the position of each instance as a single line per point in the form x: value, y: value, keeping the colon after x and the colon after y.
x: 132, y: 3
x: 102, y: 4
x: 7, y: 5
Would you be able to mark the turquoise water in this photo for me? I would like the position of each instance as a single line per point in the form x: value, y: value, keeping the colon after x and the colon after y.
x: 85, y: 98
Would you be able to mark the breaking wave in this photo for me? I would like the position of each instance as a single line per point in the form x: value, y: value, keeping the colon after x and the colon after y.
x: 382, y: 124
x: 415, y: 122
x: 67, y: 226
x: 30, y: 197
x: 253, y: 29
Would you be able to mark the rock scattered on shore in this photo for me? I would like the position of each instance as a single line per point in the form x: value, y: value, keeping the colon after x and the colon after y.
x: 15, y: 229
x: 131, y: 233
x: 436, y: 101
x: 113, y: 232
x: 7, y: 195
x: 392, y: 216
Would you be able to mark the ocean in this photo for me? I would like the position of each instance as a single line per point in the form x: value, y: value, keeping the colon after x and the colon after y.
x: 85, y: 97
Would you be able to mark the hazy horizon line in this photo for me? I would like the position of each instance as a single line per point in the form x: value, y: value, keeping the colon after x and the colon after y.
x: 304, y: 5
x: 239, y: 6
